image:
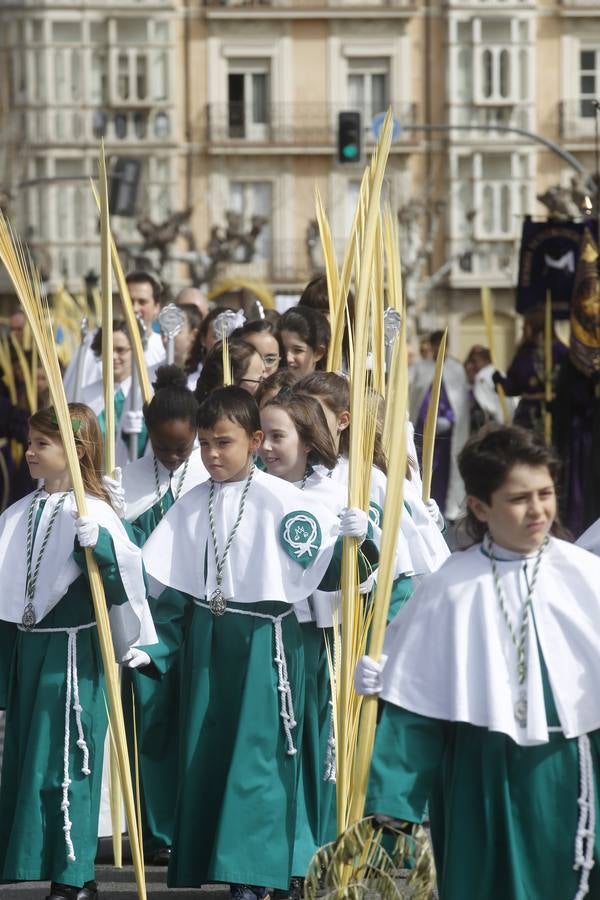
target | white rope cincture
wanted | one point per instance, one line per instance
(586, 825)
(283, 684)
(330, 771)
(71, 703)
(286, 703)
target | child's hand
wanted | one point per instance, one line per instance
(367, 676)
(354, 523)
(135, 658)
(434, 511)
(115, 491)
(87, 530)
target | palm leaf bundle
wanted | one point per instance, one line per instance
(431, 418)
(29, 291)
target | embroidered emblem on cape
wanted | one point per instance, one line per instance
(375, 514)
(300, 536)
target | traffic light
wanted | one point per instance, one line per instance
(349, 142)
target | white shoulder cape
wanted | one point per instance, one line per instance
(426, 544)
(319, 608)
(378, 489)
(93, 396)
(590, 539)
(130, 623)
(451, 657)
(258, 568)
(139, 482)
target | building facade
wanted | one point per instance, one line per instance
(232, 105)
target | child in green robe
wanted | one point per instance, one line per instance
(491, 708)
(151, 486)
(234, 556)
(54, 695)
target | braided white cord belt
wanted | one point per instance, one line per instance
(330, 772)
(586, 825)
(286, 704)
(71, 694)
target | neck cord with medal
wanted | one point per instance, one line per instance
(520, 642)
(29, 618)
(217, 601)
(177, 493)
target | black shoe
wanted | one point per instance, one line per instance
(58, 891)
(296, 888)
(241, 892)
(249, 892)
(159, 857)
(294, 892)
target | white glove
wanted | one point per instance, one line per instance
(115, 491)
(354, 522)
(135, 658)
(434, 511)
(132, 422)
(443, 425)
(87, 530)
(367, 675)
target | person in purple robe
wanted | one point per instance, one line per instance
(525, 377)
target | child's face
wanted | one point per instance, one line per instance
(172, 442)
(267, 346)
(45, 456)
(227, 449)
(282, 451)
(301, 358)
(521, 510)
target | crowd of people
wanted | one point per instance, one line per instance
(219, 541)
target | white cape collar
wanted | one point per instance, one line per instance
(58, 569)
(451, 656)
(139, 482)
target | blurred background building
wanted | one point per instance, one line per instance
(230, 107)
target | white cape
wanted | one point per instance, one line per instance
(590, 539)
(451, 657)
(93, 396)
(131, 622)
(92, 365)
(258, 568)
(139, 482)
(426, 544)
(404, 565)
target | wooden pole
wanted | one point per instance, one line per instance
(548, 368)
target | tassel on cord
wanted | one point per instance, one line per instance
(586, 825)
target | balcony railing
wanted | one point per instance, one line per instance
(346, 5)
(76, 125)
(290, 124)
(517, 115)
(589, 6)
(577, 120)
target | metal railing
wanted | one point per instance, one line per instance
(346, 5)
(76, 125)
(291, 124)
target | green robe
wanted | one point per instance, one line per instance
(316, 801)
(157, 723)
(503, 817)
(234, 818)
(32, 843)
